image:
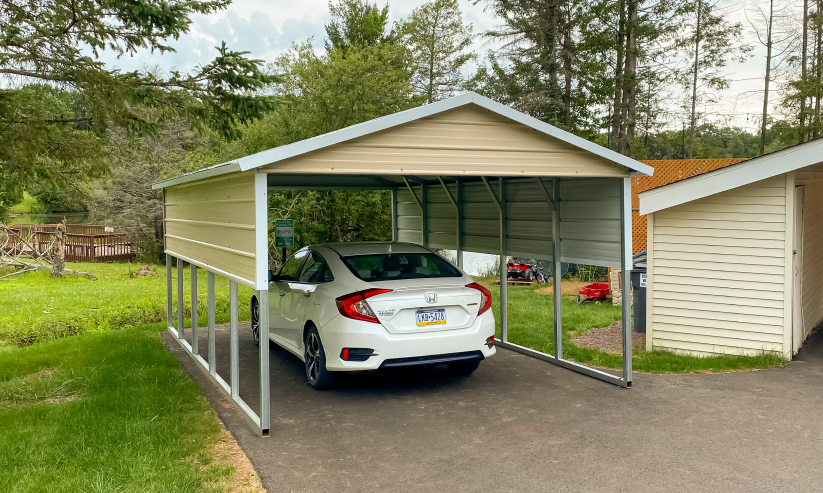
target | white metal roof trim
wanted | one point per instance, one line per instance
(734, 176)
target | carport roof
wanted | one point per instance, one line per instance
(316, 143)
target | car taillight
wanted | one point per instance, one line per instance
(485, 297)
(355, 306)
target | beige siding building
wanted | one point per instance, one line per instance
(734, 258)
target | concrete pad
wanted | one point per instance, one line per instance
(520, 424)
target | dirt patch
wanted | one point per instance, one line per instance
(228, 452)
(608, 339)
(566, 287)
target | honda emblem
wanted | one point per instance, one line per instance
(431, 297)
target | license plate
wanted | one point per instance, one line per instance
(436, 316)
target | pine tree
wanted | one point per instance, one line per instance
(439, 42)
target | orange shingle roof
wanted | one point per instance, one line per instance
(667, 171)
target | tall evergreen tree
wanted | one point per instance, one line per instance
(439, 42)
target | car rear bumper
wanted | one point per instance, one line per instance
(399, 350)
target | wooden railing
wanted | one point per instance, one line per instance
(84, 243)
(105, 247)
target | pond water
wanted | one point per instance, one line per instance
(72, 218)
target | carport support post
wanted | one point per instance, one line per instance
(626, 288)
(263, 322)
(180, 329)
(557, 274)
(234, 353)
(504, 320)
(194, 346)
(169, 307)
(212, 343)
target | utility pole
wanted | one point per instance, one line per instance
(683, 143)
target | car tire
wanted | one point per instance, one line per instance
(254, 308)
(315, 361)
(464, 368)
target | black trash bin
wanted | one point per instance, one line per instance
(639, 298)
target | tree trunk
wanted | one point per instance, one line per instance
(567, 70)
(803, 56)
(768, 76)
(631, 79)
(58, 256)
(818, 67)
(693, 120)
(617, 122)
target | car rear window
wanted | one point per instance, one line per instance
(388, 267)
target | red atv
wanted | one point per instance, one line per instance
(526, 272)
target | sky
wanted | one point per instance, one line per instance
(267, 28)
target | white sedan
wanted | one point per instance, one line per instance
(367, 306)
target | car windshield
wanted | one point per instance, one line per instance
(393, 266)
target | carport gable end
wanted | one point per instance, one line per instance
(467, 135)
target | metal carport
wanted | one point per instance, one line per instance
(466, 173)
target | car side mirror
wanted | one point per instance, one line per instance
(271, 275)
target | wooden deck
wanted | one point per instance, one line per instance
(84, 243)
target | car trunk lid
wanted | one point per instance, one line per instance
(398, 310)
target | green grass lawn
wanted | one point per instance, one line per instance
(35, 307)
(531, 324)
(24, 206)
(111, 411)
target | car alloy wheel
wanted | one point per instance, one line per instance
(315, 357)
(255, 320)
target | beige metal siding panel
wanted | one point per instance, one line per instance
(212, 222)
(586, 207)
(714, 323)
(684, 342)
(721, 257)
(812, 276)
(468, 138)
(718, 270)
(736, 251)
(709, 283)
(743, 338)
(702, 241)
(680, 232)
(725, 293)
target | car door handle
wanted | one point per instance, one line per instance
(282, 293)
(306, 293)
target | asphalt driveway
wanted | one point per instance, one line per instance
(520, 424)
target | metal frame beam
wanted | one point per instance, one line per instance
(457, 202)
(194, 344)
(628, 265)
(546, 192)
(557, 291)
(261, 424)
(504, 250)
